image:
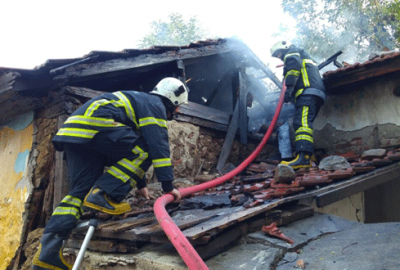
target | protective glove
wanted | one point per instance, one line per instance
(288, 94)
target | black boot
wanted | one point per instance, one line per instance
(98, 200)
(49, 255)
(302, 160)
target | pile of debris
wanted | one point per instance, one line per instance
(207, 216)
(256, 200)
(265, 182)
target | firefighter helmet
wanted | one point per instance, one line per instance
(280, 45)
(172, 89)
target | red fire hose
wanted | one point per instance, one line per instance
(182, 245)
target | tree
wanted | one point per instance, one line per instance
(357, 27)
(175, 32)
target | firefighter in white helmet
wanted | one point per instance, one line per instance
(306, 89)
(125, 131)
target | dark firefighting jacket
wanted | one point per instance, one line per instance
(302, 73)
(144, 113)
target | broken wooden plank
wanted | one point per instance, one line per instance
(200, 122)
(11, 109)
(83, 91)
(359, 184)
(141, 61)
(7, 81)
(61, 183)
(124, 225)
(222, 222)
(243, 91)
(204, 112)
(154, 232)
(229, 138)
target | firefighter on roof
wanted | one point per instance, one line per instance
(126, 131)
(306, 89)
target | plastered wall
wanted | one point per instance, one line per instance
(366, 116)
(15, 145)
(363, 117)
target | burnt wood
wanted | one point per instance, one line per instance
(204, 112)
(243, 91)
(154, 232)
(129, 225)
(141, 61)
(61, 183)
(7, 81)
(11, 109)
(229, 138)
(83, 92)
(200, 122)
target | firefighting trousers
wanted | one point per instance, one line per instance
(307, 107)
(125, 159)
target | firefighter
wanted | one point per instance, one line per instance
(125, 132)
(306, 89)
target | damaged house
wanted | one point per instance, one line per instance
(215, 132)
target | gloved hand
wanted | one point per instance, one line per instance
(144, 192)
(176, 194)
(288, 94)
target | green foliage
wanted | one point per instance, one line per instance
(357, 27)
(174, 32)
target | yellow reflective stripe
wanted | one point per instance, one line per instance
(304, 137)
(61, 211)
(72, 200)
(128, 106)
(304, 129)
(309, 61)
(304, 116)
(132, 167)
(305, 75)
(292, 72)
(77, 132)
(142, 155)
(290, 54)
(92, 121)
(298, 93)
(152, 121)
(95, 105)
(162, 162)
(117, 173)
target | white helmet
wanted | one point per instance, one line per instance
(172, 89)
(280, 45)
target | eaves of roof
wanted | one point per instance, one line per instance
(99, 56)
(370, 63)
(380, 65)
